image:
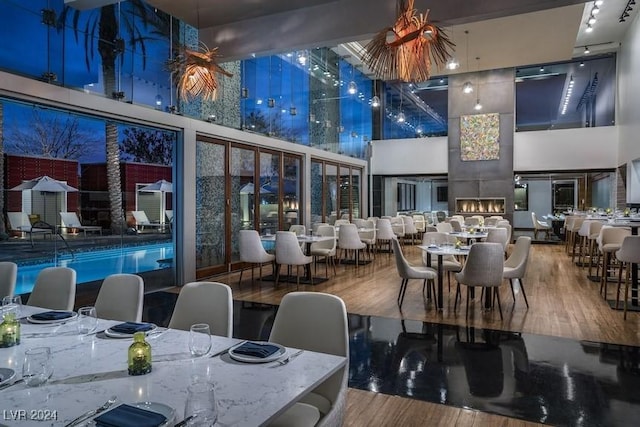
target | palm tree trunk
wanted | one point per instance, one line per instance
(2, 226)
(108, 29)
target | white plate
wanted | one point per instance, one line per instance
(112, 334)
(46, 322)
(252, 359)
(6, 375)
(160, 408)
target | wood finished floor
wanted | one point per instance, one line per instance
(563, 303)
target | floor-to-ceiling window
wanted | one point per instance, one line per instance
(84, 178)
(335, 191)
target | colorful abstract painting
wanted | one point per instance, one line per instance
(480, 137)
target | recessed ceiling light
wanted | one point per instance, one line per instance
(586, 50)
(595, 10)
(582, 64)
(599, 2)
(592, 20)
(589, 28)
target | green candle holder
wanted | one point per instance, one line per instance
(9, 329)
(139, 355)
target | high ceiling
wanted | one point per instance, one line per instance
(502, 33)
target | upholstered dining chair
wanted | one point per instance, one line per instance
(410, 229)
(539, 226)
(449, 262)
(407, 271)
(315, 321)
(316, 225)
(349, 240)
(384, 233)
(298, 229)
(340, 222)
(55, 289)
(498, 235)
(121, 298)
(368, 236)
(515, 267)
(444, 227)
(628, 254)
(484, 267)
(288, 252)
(204, 302)
(325, 248)
(8, 278)
(397, 225)
(252, 252)
(455, 225)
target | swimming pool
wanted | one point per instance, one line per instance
(96, 265)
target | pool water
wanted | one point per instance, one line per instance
(96, 265)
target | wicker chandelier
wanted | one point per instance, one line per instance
(406, 50)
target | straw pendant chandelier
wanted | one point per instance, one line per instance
(406, 50)
(196, 73)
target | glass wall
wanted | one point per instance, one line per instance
(58, 180)
(572, 94)
(335, 192)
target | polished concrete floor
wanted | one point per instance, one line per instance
(531, 377)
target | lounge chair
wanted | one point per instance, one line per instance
(19, 221)
(142, 221)
(71, 220)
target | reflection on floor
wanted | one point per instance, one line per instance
(531, 377)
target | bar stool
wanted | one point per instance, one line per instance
(594, 232)
(568, 224)
(628, 255)
(612, 238)
(583, 237)
(573, 234)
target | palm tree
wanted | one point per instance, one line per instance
(2, 226)
(104, 24)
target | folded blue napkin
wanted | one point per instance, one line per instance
(129, 416)
(256, 350)
(131, 327)
(52, 315)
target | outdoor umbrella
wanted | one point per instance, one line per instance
(250, 189)
(45, 184)
(161, 186)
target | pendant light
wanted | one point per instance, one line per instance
(401, 117)
(375, 100)
(467, 87)
(478, 106)
(352, 87)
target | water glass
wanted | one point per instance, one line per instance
(13, 301)
(199, 339)
(87, 320)
(201, 402)
(37, 367)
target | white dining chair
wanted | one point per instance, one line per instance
(288, 252)
(498, 235)
(204, 302)
(484, 267)
(325, 248)
(121, 298)
(540, 226)
(8, 278)
(55, 289)
(627, 255)
(515, 267)
(407, 271)
(317, 322)
(444, 227)
(349, 240)
(384, 233)
(449, 262)
(252, 252)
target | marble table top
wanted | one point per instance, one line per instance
(89, 369)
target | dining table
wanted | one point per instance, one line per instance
(441, 251)
(90, 369)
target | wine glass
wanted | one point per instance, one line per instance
(37, 367)
(199, 339)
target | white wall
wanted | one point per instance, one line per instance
(566, 149)
(416, 156)
(628, 117)
(562, 149)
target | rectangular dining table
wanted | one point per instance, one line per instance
(307, 240)
(90, 369)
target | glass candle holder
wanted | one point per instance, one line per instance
(139, 356)
(9, 328)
